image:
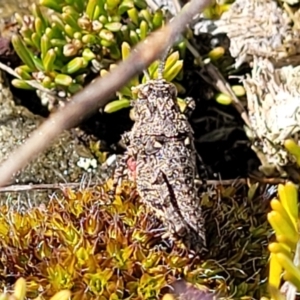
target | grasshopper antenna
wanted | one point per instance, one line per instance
(161, 66)
(147, 75)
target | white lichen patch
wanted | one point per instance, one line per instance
(87, 164)
(259, 28)
(273, 106)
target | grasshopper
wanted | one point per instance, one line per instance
(162, 147)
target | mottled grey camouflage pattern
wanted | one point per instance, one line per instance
(161, 143)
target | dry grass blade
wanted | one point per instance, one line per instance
(58, 186)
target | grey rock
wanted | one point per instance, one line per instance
(67, 160)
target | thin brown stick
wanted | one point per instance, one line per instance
(43, 186)
(99, 92)
(59, 186)
(268, 180)
(32, 83)
(223, 86)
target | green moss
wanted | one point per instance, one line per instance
(112, 251)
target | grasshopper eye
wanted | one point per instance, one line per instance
(144, 91)
(141, 91)
(142, 94)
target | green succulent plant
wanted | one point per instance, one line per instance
(285, 251)
(215, 10)
(63, 42)
(173, 66)
(284, 259)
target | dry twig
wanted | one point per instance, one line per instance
(43, 186)
(58, 186)
(32, 83)
(220, 83)
(99, 92)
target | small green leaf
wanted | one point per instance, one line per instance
(223, 99)
(113, 26)
(21, 84)
(116, 105)
(63, 79)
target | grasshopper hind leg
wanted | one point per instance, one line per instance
(122, 166)
(118, 175)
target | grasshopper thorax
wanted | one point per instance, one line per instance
(157, 94)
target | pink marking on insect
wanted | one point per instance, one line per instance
(131, 163)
